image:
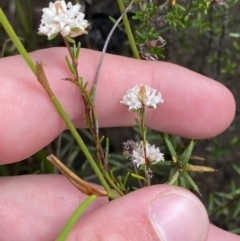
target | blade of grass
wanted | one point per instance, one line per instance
(75, 216)
(128, 30)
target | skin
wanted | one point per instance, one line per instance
(36, 207)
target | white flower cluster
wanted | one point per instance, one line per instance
(140, 96)
(135, 152)
(62, 18)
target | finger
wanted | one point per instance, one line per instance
(217, 234)
(160, 212)
(37, 207)
(194, 107)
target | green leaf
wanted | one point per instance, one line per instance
(85, 84)
(53, 36)
(69, 65)
(11, 33)
(78, 50)
(126, 178)
(23, 18)
(137, 176)
(236, 211)
(184, 158)
(120, 183)
(169, 145)
(46, 166)
(174, 178)
(236, 168)
(75, 50)
(113, 20)
(70, 40)
(233, 186)
(210, 204)
(191, 182)
(92, 91)
(182, 181)
(235, 140)
(102, 138)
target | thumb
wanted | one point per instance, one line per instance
(160, 212)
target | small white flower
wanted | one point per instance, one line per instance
(64, 19)
(140, 96)
(153, 154)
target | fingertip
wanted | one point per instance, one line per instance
(178, 215)
(195, 106)
(160, 212)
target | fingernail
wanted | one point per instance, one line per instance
(177, 217)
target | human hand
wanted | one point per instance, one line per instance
(36, 207)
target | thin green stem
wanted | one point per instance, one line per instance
(128, 30)
(144, 137)
(80, 142)
(74, 218)
(11, 33)
(112, 184)
(74, 61)
(143, 121)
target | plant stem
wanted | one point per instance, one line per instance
(80, 142)
(128, 30)
(144, 141)
(74, 61)
(112, 184)
(75, 216)
(11, 33)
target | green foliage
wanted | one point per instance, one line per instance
(225, 207)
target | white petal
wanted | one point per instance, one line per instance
(64, 19)
(66, 31)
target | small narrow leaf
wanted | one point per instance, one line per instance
(92, 91)
(113, 20)
(236, 168)
(191, 182)
(70, 40)
(52, 36)
(74, 51)
(120, 183)
(182, 181)
(195, 168)
(125, 179)
(236, 211)
(174, 179)
(137, 176)
(210, 204)
(170, 147)
(184, 158)
(69, 65)
(78, 50)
